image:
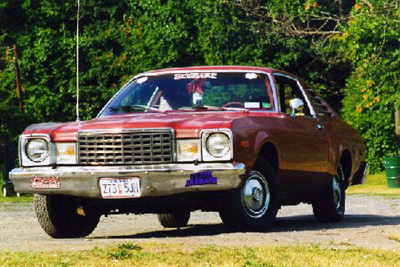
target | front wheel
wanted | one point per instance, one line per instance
(254, 206)
(330, 205)
(64, 216)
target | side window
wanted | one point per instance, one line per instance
(288, 90)
(320, 105)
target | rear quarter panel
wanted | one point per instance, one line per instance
(344, 138)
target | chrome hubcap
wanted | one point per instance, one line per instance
(337, 192)
(256, 195)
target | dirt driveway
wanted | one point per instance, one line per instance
(369, 223)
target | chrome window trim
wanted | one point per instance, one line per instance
(274, 92)
(311, 108)
(146, 74)
(199, 71)
(114, 96)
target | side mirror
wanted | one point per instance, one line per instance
(295, 104)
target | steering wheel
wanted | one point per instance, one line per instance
(233, 103)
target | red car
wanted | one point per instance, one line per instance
(242, 141)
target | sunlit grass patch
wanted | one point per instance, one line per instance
(375, 186)
(124, 251)
(23, 198)
(129, 254)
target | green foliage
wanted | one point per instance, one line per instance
(350, 46)
(373, 89)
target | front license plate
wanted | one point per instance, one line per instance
(120, 188)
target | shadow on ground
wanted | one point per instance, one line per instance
(282, 224)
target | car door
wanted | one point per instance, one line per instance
(302, 140)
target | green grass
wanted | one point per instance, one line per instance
(24, 198)
(178, 255)
(374, 186)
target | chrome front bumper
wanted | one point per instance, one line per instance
(155, 180)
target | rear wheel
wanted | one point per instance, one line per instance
(174, 220)
(330, 205)
(253, 206)
(64, 216)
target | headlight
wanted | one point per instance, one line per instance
(218, 145)
(37, 150)
(188, 150)
(66, 153)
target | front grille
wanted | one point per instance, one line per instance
(137, 147)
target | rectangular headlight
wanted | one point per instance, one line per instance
(188, 150)
(66, 153)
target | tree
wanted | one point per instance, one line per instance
(372, 41)
(338, 46)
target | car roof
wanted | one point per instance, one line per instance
(211, 68)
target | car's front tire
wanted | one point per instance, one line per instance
(64, 216)
(253, 206)
(174, 220)
(330, 205)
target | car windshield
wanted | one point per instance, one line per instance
(193, 91)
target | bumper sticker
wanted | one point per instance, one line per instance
(38, 182)
(201, 178)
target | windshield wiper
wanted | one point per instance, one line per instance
(130, 108)
(220, 108)
(234, 109)
(226, 108)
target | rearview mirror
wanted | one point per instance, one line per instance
(295, 104)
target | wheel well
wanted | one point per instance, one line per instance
(345, 160)
(269, 152)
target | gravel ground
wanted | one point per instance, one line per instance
(368, 223)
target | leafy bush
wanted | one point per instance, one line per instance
(372, 93)
(121, 38)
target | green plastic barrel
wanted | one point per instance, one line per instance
(392, 167)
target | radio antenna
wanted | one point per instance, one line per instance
(77, 63)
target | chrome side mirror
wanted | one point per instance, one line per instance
(295, 104)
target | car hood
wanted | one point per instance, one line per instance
(184, 124)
